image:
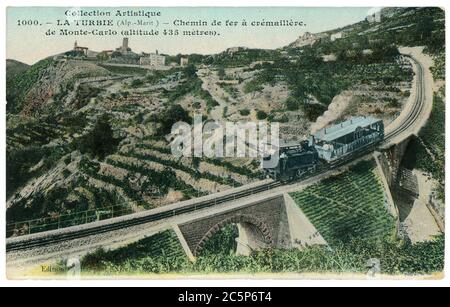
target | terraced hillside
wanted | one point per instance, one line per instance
(348, 206)
(84, 136)
(101, 147)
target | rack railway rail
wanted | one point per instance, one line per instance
(75, 232)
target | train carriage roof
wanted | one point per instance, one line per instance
(349, 126)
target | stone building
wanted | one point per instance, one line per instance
(124, 49)
(184, 62)
(80, 49)
(152, 59)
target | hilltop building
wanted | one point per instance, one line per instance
(336, 36)
(152, 59)
(124, 49)
(83, 50)
(184, 62)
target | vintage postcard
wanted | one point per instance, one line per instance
(225, 142)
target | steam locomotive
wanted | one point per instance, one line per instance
(327, 148)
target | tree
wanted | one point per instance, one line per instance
(221, 73)
(103, 56)
(116, 54)
(99, 142)
(189, 71)
(424, 28)
(244, 112)
(292, 104)
(136, 83)
(172, 115)
(261, 115)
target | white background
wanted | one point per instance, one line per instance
(185, 282)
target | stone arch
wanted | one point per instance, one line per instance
(237, 219)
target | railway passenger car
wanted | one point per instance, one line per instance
(348, 138)
(326, 148)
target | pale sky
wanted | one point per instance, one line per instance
(29, 44)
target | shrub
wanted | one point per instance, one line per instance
(100, 141)
(84, 94)
(136, 83)
(261, 115)
(292, 104)
(253, 86)
(244, 112)
(190, 71)
(172, 115)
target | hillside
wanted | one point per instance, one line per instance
(83, 136)
(14, 68)
(30, 90)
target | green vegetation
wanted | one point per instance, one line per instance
(312, 77)
(125, 70)
(100, 141)
(190, 71)
(221, 73)
(253, 86)
(84, 95)
(352, 257)
(438, 70)
(20, 164)
(243, 57)
(160, 75)
(187, 169)
(192, 85)
(242, 170)
(136, 83)
(152, 253)
(18, 86)
(406, 27)
(293, 104)
(230, 89)
(222, 242)
(261, 115)
(63, 220)
(27, 152)
(75, 54)
(13, 68)
(428, 153)
(103, 56)
(169, 117)
(244, 112)
(309, 76)
(340, 214)
(357, 225)
(161, 180)
(91, 168)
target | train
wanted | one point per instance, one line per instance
(326, 148)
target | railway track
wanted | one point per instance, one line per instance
(25, 243)
(53, 237)
(417, 107)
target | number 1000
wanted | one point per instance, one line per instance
(27, 22)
